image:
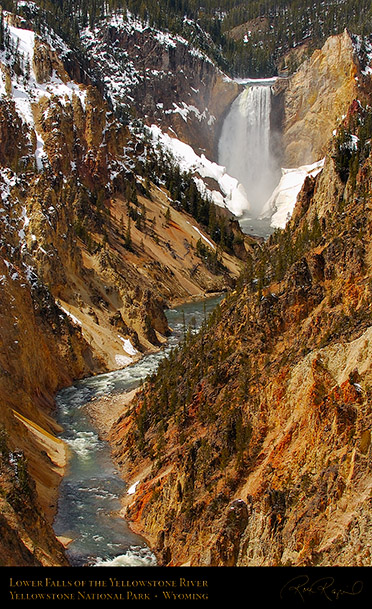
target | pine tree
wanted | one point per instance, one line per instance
(167, 216)
(128, 237)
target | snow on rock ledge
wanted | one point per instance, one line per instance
(281, 203)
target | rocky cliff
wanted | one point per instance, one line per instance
(252, 444)
(312, 101)
(164, 80)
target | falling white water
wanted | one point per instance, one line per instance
(244, 146)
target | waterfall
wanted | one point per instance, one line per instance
(244, 146)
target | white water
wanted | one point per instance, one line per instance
(245, 147)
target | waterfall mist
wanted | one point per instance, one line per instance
(244, 146)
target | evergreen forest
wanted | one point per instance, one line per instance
(244, 38)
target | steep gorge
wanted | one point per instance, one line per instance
(264, 459)
(92, 254)
(95, 244)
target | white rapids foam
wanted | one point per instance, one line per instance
(134, 557)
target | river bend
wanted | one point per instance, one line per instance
(89, 500)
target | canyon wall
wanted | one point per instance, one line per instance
(92, 253)
(312, 101)
(165, 80)
(260, 453)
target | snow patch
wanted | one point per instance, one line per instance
(204, 237)
(232, 194)
(132, 489)
(280, 205)
(70, 315)
(186, 109)
(123, 360)
(362, 46)
(127, 346)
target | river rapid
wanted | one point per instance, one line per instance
(89, 499)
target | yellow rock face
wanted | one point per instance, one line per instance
(316, 98)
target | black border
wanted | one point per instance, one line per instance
(244, 586)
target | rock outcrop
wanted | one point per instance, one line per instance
(315, 98)
(167, 82)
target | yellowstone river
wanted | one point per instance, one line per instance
(89, 500)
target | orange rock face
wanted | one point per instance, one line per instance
(316, 98)
(259, 451)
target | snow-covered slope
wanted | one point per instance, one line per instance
(228, 192)
(124, 67)
(26, 89)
